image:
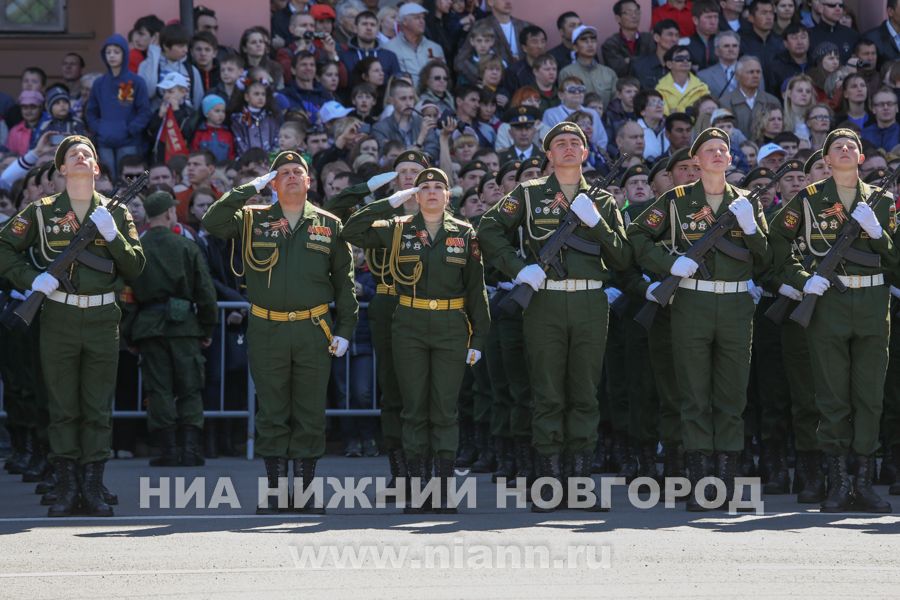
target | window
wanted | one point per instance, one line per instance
(19, 16)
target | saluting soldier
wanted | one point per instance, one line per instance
(79, 338)
(175, 317)
(441, 321)
(295, 265)
(565, 324)
(848, 333)
(711, 318)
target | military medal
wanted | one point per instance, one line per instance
(558, 200)
(423, 237)
(704, 214)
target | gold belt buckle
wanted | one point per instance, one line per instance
(432, 304)
(719, 287)
(292, 316)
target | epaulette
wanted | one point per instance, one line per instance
(404, 218)
(679, 191)
(740, 191)
(324, 212)
(811, 189)
(460, 222)
(252, 207)
(46, 200)
(535, 181)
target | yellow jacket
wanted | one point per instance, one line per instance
(674, 99)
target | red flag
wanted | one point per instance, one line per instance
(172, 136)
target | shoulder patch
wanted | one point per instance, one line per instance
(679, 191)
(791, 219)
(19, 226)
(811, 189)
(509, 205)
(654, 218)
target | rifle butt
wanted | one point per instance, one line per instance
(778, 310)
(804, 311)
(27, 311)
(645, 316)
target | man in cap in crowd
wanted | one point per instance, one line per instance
(565, 324)
(410, 45)
(530, 168)
(848, 332)
(659, 178)
(521, 129)
(597, 78)
(815, 168)
(295, 265)
(170, 333)
(711, 316)
(771, 156)
(471, 173)
(79, 341)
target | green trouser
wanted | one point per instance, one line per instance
(769, 377)
(290, 365)
(713, 333)
(565, 338)
(797, 368)
(79, 356)
(498, 384)
(616, 376)
(381, 313)
(466, 400)
(848, 344)
(482, 394)
(431, 346)
(18, 391)
(890, 425)
(643, 401)
(172, 370)
(662, 364)
(512, 347)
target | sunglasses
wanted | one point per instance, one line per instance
(833, 4)
(681, 59)
(576, 89)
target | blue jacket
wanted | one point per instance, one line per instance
(309, 101)
(118, 109)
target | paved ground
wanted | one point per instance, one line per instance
(232, 553)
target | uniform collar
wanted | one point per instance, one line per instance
(63, 204)
(698, 197)
(830, 193)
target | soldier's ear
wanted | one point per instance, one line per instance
(862, 158)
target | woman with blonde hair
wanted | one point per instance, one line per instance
(799, 96)
(819, 121)
(768, 124)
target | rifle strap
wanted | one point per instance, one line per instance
(810, 222)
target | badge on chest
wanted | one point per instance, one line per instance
(319, 233)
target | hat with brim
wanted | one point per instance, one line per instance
(172, 80)
(287, 157)
(768, 150)
(73, 140)
(432, 174)
(413, 156)
(581, 30)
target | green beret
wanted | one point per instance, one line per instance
(523, 115)
(835, 135)
(633, 172)
(529, 163)
(288, 157)
(793, 165)
(814, 157)
(432, 174)
(658, 166)
(472, 165)
(158, 202)
(875, 176)
(561, 128)
(465, 196)
(507, 167)
(680, 155)
(754, 174)
(489, 176)
(711, 133)
(60, 157)
(413, 156)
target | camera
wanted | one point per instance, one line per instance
(449, 114)
(314, 35)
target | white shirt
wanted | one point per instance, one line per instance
(751, 100)
(510, 32)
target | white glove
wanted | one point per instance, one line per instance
(816, 285)
(45, 283)
(17, 295)
(864, 215)
(380, 180)
(895, 292)
(791, 292)
(338, 346)
(684, 267)
(755, 291)
(506, 285)
(104, 222)
(263, 180)
(533, 275)
(398, 198)
(612, 294)
(472, 356)
(649, 293)
(586, 210)
(743, 210)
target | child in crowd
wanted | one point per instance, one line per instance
(231, 69)
(213, 135)
(171, 56)
(255, 119)
(60, 119)
(482, 40)
(174, 88)
(144, 34)
(292, 136)
(30, 104)
(204, 47)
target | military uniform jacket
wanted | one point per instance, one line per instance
(631, 280)
(45, 227)
(539, 206)
(811, 222)
(176, 276)
(285, 269)
(680, 217)
(450, 264)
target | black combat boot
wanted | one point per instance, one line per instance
(15, 446)
(865, 498)
(419, 469)
(698, 465)
(548, 466)
(746, 462)
(673, 462)
(210, 438)
(192, 447)
(647, 461)
(487, 460)
(46, 484)
(727, 466)
(397, 462)
(276, 468)
(617, 451)
(67, 493)
(894, 490)
(466, 453)
(598, 462)
(525, 466)
(506, 463)
(305, 471)
(629, 463)
(778, 478)
(839, 486)
(582, 468)
(92, 498)
(888, 474)
(19, 463)
(444, 471)
(166, 439)
(38, 467)
(810, 477)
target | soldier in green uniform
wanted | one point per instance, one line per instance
(170, 333)
(79, 337)
(295, 265)
(848, 333)
(565, 323)
(442, 318)
(711, 317)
